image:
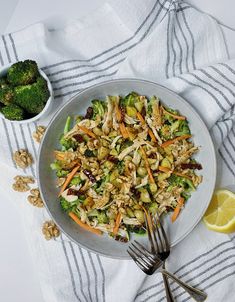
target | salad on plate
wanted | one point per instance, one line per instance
(127, 156)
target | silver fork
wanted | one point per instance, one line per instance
(149, 262)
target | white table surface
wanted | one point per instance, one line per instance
(18, 279)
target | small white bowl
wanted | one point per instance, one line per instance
(47, 106)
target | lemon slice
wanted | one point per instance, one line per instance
(220, 215)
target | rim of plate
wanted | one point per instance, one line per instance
(210, 142)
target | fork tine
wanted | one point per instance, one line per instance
(146, 251)
(154, 235)
(152, 261)
(137, 255)
(139, 261)
(149, 233)
(162, 248)
(163, 233)
(141, 266)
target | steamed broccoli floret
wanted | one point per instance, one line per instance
(68, 206)
(62, 173)
(6, 95)
(102, 218)
(3, 82)
(32, 97)
(165, 132)
(23, 73)
(152, 101)
(76, 181)
(183, 128)
(13, 112)
(59, 171)
(130, 99)
(181, 181)
(98, 108)
(68, 143)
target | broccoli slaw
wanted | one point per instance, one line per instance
(127, 155)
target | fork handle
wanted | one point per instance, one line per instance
(169, 296)
(195, 293)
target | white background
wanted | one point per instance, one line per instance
(18, 279)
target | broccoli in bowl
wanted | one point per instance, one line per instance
(25, 91)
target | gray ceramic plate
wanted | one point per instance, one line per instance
(196, 205)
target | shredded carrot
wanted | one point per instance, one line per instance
(84, 225)
(178, 138)
(122, 126)
(164, 169)
(177, 209)
(87, 131)
(181, 175)
(177, 117)
(117, 223)
(123, 130)
(151, 179)
(150, 132)
(148, 217)
(140, 117)
(68, 179)
(118, 114)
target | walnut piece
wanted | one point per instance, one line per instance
(50, 230)
(23, 158)
(38, 134)
(21, 183)
(35, 198)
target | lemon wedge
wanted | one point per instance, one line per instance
(220, 215)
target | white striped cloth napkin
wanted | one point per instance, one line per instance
(168, 42)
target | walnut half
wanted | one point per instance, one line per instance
(21, 183)
(38, 134)
(50, 230)
(35, 198)
(23, 158)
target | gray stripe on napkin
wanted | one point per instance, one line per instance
(79, 75)
(186, 43)
(70, 270)
(6, 49)
(8, 141)
(168, 47)
(192, 38)
(223, 76)
(13, 46)
(79, 273)
(86, 270)
(117, 54)
(203, 88)
(180, 56)
(217, 82)
(112, 48)
(1, 59)
(26, 147)
(95, 273)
